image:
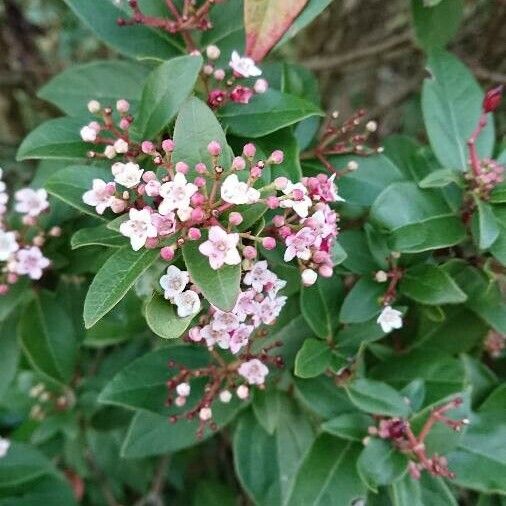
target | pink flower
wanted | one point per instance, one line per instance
(31, 202)
(165, 225)
(259, 276)
(216, 98)
(241, 94)
(253, 371)
(221, 248)
(240, 337)
(297, 199)
(213, 336)
(225, 321)
(298, 245)
(268, 310)
(323, 188)
(31, 262)
(138, 228)
(100, 196)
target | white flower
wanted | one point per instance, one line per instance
(224, 321)
(389, 319)
(31, 261)
(309, 277)
(213, 52)
(176, 194)
(259, 276)
(138, 228)
(100, 196)
(188, 303)
(243, 65)
(225, 396)
(31, 202)
(8, 244)
(109, 152)
(88, 134)
(183, 389)
(121, 146)
(221, 248)
(127, 174)
(94, 106)
(237, 192)
(5, 444)
(253, 371)
(242, 392)
(205, 414)
(174, 281)
(299, 205)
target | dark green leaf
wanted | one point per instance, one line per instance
(362, 301)
(440, 178)
(163, 320)
(484, 225)
(349, 426)
(312, 359)
(97, 236)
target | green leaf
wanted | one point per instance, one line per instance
(436, 25)
(362, 302)
(313, 358)
(56, 139)
(97, 236)
(137, 41)
(349, 426)
(377, 398)
(69, 185)
(213, 493)
(428, 284)
(265, 22)
(196, 126)
(428, 490)
(105, 81)
(315, 309)
(381, 464)
(359, 259)
(498, 248)
(166, 89)
(484, 225)
(498, 194)
(220, 287)
(266, 406)
(114, 279)
(426, 223)
(266, 113)
(265, 464)
(14, 298)
(10, 353)
(440, 178)
(338, 254)
(163, 320)
(328, 475)
(48, 337)
(451, 105)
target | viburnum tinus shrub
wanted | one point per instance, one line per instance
(214, 293)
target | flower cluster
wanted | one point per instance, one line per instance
(179, 203)
(20, 249)
(259, 304)
(400, 433)
(226, 86)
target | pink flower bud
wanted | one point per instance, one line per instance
(201, 168)
(110, 188)
(152, 188)
(147, 147)
(180, 401)
(118, 206)
(197, 199)
(207, 69)
(238, 163)
(55, 231)
(249, 252)
(200, 182)
(235, 218)
(285, 232)
(167, 253)
(29, 220)
(122, 105)
(261, 86)
(141, 189)
(241, 94)
(269, 242)
(492, 99)
(277, 157)
(255, 171)
(197, 214)
(194, 234)
(4, 288)
(151, 243)
(278, 220)
(205, 414)
(320, 256)
(168, 145)
(194, 334)
(214, 148)
(182, 167)
(94, 125)
(249, 150)
(12, 278)
(124, 123)
(272, 202)
(325, 271)
(280, 183)
(148, 176)
(216, 98)
(219, 74)
(298, 194)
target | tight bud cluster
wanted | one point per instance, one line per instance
(20, 247)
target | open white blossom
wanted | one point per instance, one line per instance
(127, 174)
(31, 262)
(298, 199)
(176, 194)
(221, 248)
(253, 371)
(187, 302)
(243, 65)
(237, 192)
(174, 281)
(8, 244)
(389, 319)
(101, 195)
(138, 228)
(31, 202)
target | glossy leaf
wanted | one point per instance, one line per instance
(97, 236)
(484, 225)
(163, 320)
(349, 426)
(312, 359)
(362, 301)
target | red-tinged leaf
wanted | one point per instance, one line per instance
(266, 21)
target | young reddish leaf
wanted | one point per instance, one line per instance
(266, 21)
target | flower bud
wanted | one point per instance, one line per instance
(197, 214)
(205, 414)
(55, 232)
(183, 389)
(272, 202)
(278, 220)
(249, 252)
(255, 171)
(167, 253)
(110, 152)
(242, 392)
(325, 271)
(195, 335)
(207, 69)
(94, 106)
(225, 396)
(309, 277)
(180, 401)
(371, 126)
(280, 183)
(147, 147)
(214, 148)
(492, 99)
(197, 199)
(194, 234)
(249, 150)
(352, 165)
(381, 276)
(121, 146)
(168, 145)
(238, 163)
(235, 218)
(124, 123)
(261, 86)
(277, 157)
(122, 105)
(269, 243)
(219, 74)
(4, 288)
(199, 182)
(213, 52)
(148, 176)
(200, 168)
(182, 167)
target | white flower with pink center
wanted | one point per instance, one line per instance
(245, 306)
(101, 195)
(323, 223)
(174, 282)
(213, 336)
(127, 174)
(259, 276)
(176, 194)
(221, 248)
(389, 319)
(8, 245)
(297, 200)
(165, 225)
(267, 310)
(237, 192)
(243, 65)
(253, 371)
(298, 245)
(31, 202)
(138, 228)
(188, 303)
(225, 321)
(31, 262)
(240, 337)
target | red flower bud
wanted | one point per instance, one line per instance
(492, 99)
